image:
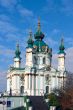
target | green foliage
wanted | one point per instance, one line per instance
(53, 101)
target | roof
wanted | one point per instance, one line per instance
(13, 68)
(40, 45)
(19, 108)
(36, 102)
(17, 52)
(30, 40)
(39, 35)
(61, 47)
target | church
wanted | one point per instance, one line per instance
(38, 77)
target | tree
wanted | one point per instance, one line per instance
(65, 95)
(53, 100)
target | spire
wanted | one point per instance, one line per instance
(39, 25)
(30, 40)
(62, 40)
(17, 52)
(30, 34)
(61, 47)
(39, 35)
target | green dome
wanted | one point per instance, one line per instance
(30, 40)
(39, 45)
(17, 52)
(38, 35)
(61, 47)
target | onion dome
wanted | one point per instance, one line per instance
(39, 35)
(17, 52)
(30, 40)
(39, 46)
(61, 47)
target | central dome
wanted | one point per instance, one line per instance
(39, 35)
(39, 45)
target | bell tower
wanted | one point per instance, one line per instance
(29, 49)
(61, 56)
(17, 58)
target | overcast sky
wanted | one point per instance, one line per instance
(18, 16)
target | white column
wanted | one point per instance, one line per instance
(33, 84)
(26, 82)
(8, 85)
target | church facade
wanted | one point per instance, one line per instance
(38, 76)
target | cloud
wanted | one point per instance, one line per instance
(69, 59)
(2, 81)
(24, 11)
(8, 3)
(8, 52)
(62, 6)
(55, 60)
(15, 6)
(67, 6)
(7, 31)
(51, 5)
(55, 31)
(4, 17)
(7, 27)
(10, 32)
(51, 41)
(69, 41)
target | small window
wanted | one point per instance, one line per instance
(44, 61)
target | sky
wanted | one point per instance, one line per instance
(17, 17)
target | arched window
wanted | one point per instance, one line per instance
(44, 60)
(47, 89)
(21, 89)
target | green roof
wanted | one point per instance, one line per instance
(30, 41)
(61, 47)
(39, 45)
(13, 68)
(61, 52)
(38, 35)
(17, 52)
